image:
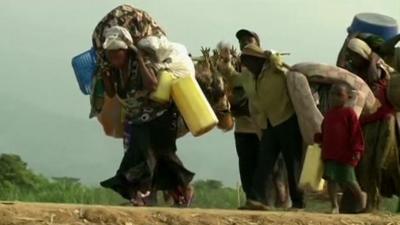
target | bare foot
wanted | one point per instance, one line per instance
(137, 202)
(182, 197)
(364, 208)
(255, 205)
(189, 195)
(364, 200)
(335, 210)
(140, 198)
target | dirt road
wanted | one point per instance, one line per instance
(57, 214)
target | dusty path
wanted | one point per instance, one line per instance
(57, 214)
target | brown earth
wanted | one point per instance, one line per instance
(15, 213)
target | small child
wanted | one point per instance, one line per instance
(342, 147)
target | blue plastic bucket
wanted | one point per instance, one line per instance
(374, 23)
(84, 67)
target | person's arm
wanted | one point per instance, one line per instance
(149, 77)
(108, 81)
(383, 112)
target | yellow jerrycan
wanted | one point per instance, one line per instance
(163, 92)
(313, 169)
(193, 106)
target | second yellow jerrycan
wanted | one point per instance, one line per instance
(193, 106)
(313, 169)
(163, 92)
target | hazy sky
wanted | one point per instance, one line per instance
(44, 117)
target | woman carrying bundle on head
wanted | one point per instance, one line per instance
(150, 162)
(379, 169)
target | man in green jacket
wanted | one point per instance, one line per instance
(272, 109)
(247, 135)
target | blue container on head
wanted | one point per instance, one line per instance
(85, 65)
(374, 23)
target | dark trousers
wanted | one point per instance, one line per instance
(286, 139)
(247, 148)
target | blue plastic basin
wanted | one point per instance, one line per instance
(374, 23)
(84, 67)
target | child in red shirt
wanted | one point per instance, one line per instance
(342, 146)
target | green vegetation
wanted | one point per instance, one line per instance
(212, 194)
(19, 183)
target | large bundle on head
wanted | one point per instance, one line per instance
(138, 24)
(309, 84)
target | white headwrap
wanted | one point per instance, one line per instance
(117, 37)
(360, 47)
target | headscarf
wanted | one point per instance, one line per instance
(117, 37)
(378, 72)
(360, 47)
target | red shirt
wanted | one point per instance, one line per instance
(341, 137)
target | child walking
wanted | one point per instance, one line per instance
(342, 147)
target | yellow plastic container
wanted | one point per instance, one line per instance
(193, 106)
(313, 169)
(163, 92)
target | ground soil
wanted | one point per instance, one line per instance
(15, 213)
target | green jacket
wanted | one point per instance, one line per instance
(268, 95)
